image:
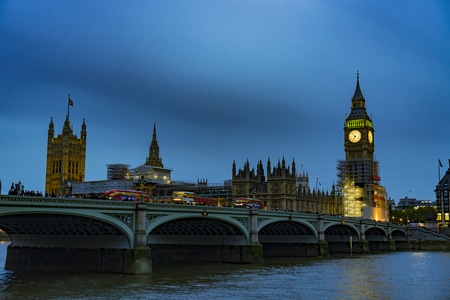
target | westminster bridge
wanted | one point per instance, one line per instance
(84, 235)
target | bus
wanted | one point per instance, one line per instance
(205, 201)
(127, 195)
(182, 197)
(241, 202)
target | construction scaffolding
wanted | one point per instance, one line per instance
(358, 171)
(118, 172)
(359, 182)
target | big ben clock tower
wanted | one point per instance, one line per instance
(358, 176)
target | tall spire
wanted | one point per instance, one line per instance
(153, 158)
(358, 94)
(358, 102)
(154, 131)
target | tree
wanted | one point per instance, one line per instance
(414, 215)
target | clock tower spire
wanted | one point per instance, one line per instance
(358, 96)
(358, 173)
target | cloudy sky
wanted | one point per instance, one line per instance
(226, 81)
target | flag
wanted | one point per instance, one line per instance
(440, 163)
(70, 102)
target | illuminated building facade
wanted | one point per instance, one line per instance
(283, 189)
(442, 199)
(66, 159)
(358, 177)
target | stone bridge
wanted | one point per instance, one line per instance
(66, 234)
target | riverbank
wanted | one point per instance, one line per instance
(430, 245)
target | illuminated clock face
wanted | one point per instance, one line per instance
(354, 136)
(370, 136)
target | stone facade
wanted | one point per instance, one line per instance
(66, 159)
(283, 189)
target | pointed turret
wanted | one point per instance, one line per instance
(294, 170)
(234, 168)
(358, 109)
(153, 159)
(66, 128)
(51, 129)
(358, 94)
(83, 130)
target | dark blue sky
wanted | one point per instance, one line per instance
(224, 81)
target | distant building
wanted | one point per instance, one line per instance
(426, 203)
(406, 202)
(66, 158)
(97, 188)
(358, 176)
(145, 177)
(413, 202)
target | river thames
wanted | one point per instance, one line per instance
(394, 275)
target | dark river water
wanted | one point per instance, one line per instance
(396, 275)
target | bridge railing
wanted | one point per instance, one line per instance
(64, 201)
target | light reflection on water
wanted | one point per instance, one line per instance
(397, 275)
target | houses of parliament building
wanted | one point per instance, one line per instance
(66, 158)
(357, 192)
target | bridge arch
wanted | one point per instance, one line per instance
(273, 219)
(287, 231)
(399, 235)
(338, 232)
(376, 234)
(66, 229)
(189, 229)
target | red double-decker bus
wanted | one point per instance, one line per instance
(127, 195)
(248, 203)
(203, 201)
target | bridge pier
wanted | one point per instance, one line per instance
(364, 243)
(324, 249)
(391, 241)
(365, 246)
(139, 259)
(255, 248)
(391, 245)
